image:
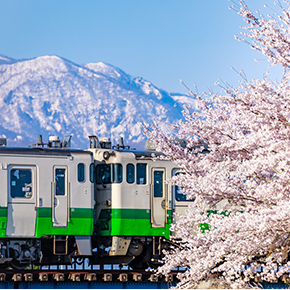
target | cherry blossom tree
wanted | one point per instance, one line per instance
(236, 165)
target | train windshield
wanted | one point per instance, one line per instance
(117, 173)
(109, 173)
(103, 174)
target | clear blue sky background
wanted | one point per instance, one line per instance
(162, 41)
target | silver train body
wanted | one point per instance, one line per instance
(108, 204)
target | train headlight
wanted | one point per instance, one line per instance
(106, 155)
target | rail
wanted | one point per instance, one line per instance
(81, 272)
(83, 276)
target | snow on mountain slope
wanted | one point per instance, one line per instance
(50, 95)
(5, 59)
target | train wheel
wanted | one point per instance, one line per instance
(4, 266)
(138, 265)
(17, 265)
(154, 265)
(79, 261)
(142, 261)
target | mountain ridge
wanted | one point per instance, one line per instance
(51, 95)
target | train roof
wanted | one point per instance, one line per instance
(42, 151)
(141, 154)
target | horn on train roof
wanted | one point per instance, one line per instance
(94, 141)
(121, 146)
(53, 142)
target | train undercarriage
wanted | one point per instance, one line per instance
(137, 252)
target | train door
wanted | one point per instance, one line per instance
(22, 196)
(60, 197)
(158, 198)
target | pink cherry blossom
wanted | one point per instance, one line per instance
(237, 161)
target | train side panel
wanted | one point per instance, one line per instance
(41, 194)
(137, 202)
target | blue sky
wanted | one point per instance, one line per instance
(162, 41)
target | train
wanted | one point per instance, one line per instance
(107, 204)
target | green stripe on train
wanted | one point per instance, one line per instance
(81, 222)
(45, 212)
(111, 222)
(130, 222)
(3, 221)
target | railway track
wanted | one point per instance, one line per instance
(82, 272)
(82, 276)
(68, 277)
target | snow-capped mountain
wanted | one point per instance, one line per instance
(50, 95)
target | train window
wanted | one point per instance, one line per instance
(59, 181)
(179, 195)
(117, 173)
(103, 173)
(178, 190)
(130, 173)
(158, 184)
(21, 183)
(81, 172)
(141, 173)
(92, 170)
